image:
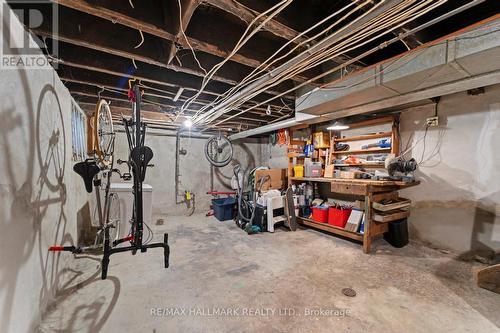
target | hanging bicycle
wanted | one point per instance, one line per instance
(101, 145)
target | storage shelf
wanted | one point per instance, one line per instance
(365, 137)
(363, 151)
(330, 228)
(356, 181)
(290, 155)
(384, 217)
(375, 165)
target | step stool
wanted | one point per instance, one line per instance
(272, 204)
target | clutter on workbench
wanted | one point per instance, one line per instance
(357, 166)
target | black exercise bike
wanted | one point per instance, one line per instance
(102, 163)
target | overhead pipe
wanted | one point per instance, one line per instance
(293, 121)
(264, 129)
(219, 109)
(382, 45)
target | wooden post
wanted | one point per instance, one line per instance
(367, 238)
(489, 278)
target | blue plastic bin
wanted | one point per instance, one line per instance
(224, 208)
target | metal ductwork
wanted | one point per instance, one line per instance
(264, 129)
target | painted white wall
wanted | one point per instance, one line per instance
(457, 205)
(41, 198)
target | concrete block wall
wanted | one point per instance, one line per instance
(194, 170)
(41, 198)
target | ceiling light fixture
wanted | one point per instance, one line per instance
(337, 126)
(187, 123)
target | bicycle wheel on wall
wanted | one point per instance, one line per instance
(103, 132)
(219, 150)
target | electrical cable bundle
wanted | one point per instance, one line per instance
(353, 38)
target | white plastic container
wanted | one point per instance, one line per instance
(126, 200)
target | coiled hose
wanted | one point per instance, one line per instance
(245, 222)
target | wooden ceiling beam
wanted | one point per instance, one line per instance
(106, 49)
(178, 38)
(90, 94)
(98, 61)
(182, 16)
(273, 26)
(69, 71)
(166, 101)
(248, 15)
(87, 42)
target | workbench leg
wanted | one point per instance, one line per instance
(367, 238)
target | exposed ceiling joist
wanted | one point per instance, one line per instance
(183, 15)
(126, 51)
(89, 89)
(110, 80)
(248, 15)
(178, 38)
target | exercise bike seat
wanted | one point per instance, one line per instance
(140, 157)
(87, 170)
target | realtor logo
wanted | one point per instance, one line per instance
(24, 50)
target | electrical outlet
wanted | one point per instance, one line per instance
(432, 121)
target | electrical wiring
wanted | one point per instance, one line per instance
(181, 28)
(339, 30)
(405, 44)
(417, 6)
(141, 42)
(244, 38)
(248, 80)
(343, 29)
(382, 45)
(253, 76)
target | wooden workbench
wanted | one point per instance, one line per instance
(367, 191)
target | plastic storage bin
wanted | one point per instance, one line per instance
(298, 171)
(223, 208)
(320, 214)
(313, 169)
(338, 217)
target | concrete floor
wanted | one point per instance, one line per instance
(273, 282)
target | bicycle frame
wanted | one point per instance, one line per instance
(139, 156)
(139, 164)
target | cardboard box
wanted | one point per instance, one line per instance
(329, 169)
(277, 181)
(321, 140)
(350, 174)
